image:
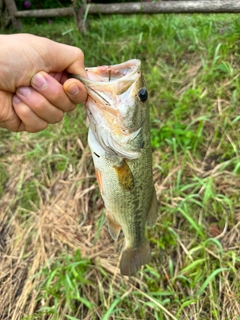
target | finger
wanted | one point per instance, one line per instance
(39, 105)
(75, 91)
(52, 90)
(8, 117)
(30, 121)
(61, 77)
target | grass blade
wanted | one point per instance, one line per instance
(209, 279)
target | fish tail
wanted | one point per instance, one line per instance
(133, 258)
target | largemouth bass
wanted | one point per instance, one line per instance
(119, 139)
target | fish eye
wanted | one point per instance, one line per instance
(143, 94)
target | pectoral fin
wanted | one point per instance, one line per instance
(153, 209)
(125, 176)
(113, 227)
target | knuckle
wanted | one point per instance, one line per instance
(54, 96)
(23, 112)
(37, 105)
(79, 54)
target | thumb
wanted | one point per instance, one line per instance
(59, 57)
(75, 90)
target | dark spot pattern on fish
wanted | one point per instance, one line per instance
(96, 154)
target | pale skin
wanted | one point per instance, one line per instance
(35, 89)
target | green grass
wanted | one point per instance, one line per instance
(53, 235)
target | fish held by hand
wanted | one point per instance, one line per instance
(119, 139)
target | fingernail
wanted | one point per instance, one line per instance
(38, 81)
(16, 99)
(24, 91)
(73, 90)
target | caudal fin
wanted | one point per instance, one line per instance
(133, 258)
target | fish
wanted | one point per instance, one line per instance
(119, 140)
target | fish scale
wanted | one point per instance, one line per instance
(119, 139)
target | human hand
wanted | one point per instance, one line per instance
(34, 85)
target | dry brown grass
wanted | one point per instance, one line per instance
(66, 220)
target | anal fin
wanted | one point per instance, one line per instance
(153, 209)
(113, 227)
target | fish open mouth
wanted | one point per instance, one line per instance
(116, 78)
(113, 73)
(110, 74)
(107, 87)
